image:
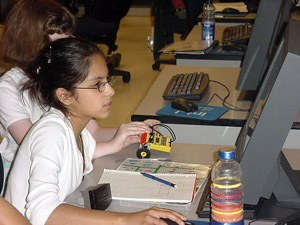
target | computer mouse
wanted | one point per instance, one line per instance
(184, 105)
(171, 222)
(230, 11)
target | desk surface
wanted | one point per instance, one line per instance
(189, 153)
(153, 100)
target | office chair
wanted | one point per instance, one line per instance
(167, 23)
(100, 24)
(5, 6)
(71, 5)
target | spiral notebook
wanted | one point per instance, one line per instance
(133, 186)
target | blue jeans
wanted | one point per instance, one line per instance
(6, 168)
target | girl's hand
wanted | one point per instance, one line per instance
(152, 217)
(125, 135)
(129, 133)
(149, 123)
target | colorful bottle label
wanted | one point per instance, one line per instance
(227, 201)
(208, 31)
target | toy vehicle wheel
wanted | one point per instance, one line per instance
(143, 153)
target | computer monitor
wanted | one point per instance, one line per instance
(269, 22)
(268, 179)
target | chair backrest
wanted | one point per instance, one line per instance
(109, 10)
(5, 6)
(193, 10)
(170, 23)
(101, 21)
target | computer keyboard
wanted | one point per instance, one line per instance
(191, 86)
(235, 38)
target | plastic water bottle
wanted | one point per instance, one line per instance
(226, 190)
(208, 21)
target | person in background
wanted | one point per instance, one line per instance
(180, 8)
(69, 79)
(29, 26)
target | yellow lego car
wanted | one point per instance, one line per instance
(153, 141)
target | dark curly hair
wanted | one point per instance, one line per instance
(64, 63)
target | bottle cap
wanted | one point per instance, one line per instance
(226, 153)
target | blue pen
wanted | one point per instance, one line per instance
(158, 179)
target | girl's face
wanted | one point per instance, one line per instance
(90, 103)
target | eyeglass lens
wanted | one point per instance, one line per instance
(110, 81)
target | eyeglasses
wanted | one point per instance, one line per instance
(101, 86)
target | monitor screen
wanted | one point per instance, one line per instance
(270, 19)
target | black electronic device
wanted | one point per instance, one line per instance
(230, 11)
(271, 18)
(97, 197)
(184, 105)
(171, 222)
(190, 86)
(276, 190)
(235, 38)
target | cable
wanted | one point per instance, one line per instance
(224, 102)
(289, 218)
(167, 127)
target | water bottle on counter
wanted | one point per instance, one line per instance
(208, 21)
(226, 190)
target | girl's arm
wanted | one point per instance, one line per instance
(9, 215)
(68, 214)
(19, 129)
(112, 140)
(101, 134)
(13, 113)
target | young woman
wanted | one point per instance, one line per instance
(31, 25)
(70, 80)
